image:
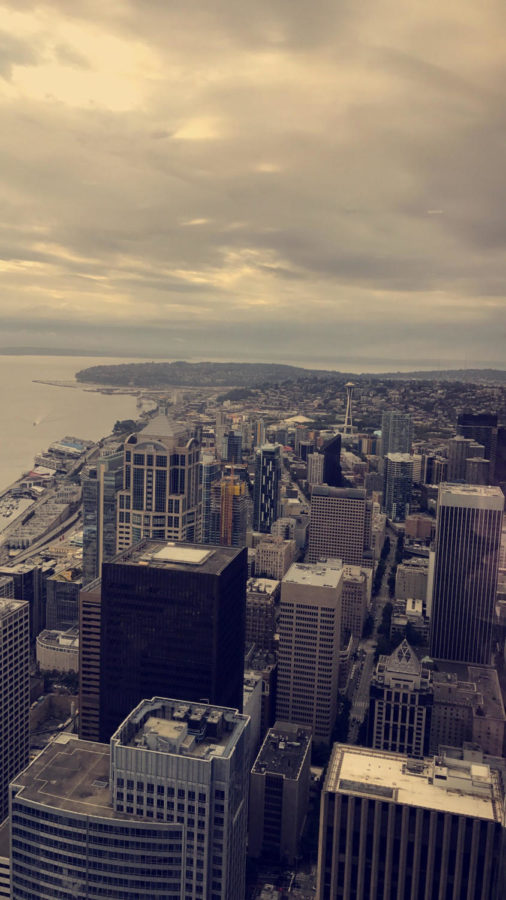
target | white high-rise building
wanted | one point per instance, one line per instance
(14, 694)
(309, 644)
(315, 468)
(160, 813)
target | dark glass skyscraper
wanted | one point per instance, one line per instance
(468, 537)
(101, 484)
(267, 487)
(172, 622)
(396, 432)
(480, 427)
(332, 461)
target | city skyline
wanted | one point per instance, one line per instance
(180, 179)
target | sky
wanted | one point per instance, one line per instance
(281, 180)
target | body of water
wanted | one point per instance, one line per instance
(34, 415)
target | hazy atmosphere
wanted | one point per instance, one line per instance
(278, 180)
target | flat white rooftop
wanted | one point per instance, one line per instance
(327, 574)
(466, 790)
(175, 553)
(479, 496)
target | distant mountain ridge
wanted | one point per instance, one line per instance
(228, 374)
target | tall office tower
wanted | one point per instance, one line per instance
(468, 536)
(14, 694)
(89, 661)
(30, 585)
(234, 447)
(62, 598)
(398, 484)
(401, 698)
(301, 436)
(267, 487)
(459, 449)
(436, 470)
(477, 470)
(480, 427)
(101, 484)
(340, 525)
(305, 449)
(332, 461)
(246, 434)
(315, 468)
(160, 812)
(261, 597)
(210, 473)
(229, 511)
(309, 644)
(279, 793)
(391, 827)
(160, 499)
(499, 461)
(396, 432)
(259, 433)
(172, 621)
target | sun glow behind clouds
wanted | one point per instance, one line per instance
(78, 65)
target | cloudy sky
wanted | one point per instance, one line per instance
(285, 179)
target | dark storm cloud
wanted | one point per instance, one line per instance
(326, 174)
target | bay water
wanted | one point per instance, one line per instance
(33, 415)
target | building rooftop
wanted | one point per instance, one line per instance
(193, 730)
(283, 751)
(8, 605)
(52, 637)
(262, 586)
(173, 555)
(324, 490)
(443, 784)
(477, 686)
(162, 426)
(471, 495)
(321, 574)
(71, 775)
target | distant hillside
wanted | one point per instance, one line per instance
(194, 374)
(470, 376)
(248, 375)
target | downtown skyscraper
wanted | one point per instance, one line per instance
(267, 487)
(160, 497)
(468, 537)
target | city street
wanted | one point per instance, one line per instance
(359, 693)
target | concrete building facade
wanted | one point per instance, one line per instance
(401, 699)
(14, 694)
(395, 827)
(340, 526)
(160, 812)
(279, 793)
(309, 645)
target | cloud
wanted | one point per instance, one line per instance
(303, 181)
